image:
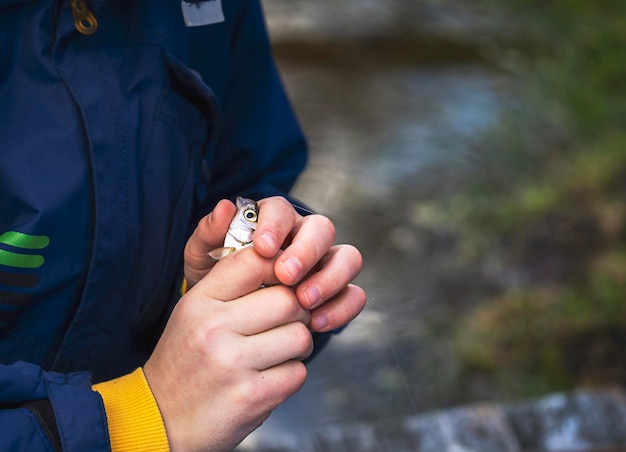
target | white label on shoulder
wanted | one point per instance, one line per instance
(202, 13)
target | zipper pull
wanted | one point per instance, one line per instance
(84, 20)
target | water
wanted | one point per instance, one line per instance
(387, 134)
(405, 113)
(375, 134)
(370, 168)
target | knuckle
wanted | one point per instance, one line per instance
(225, 362)
(204, 224)
(354, 254)
(298, 373)
(287, 303)
(185, 310)
(223, 359)
(357, 300)
(323, 225)
(302, 338)
(279, 203)
(277, 212)
(253, 390)
(311, 248)
(282, 202)
(352, 258)
(359, 295)
(204, 337)
(203, 228)
(246, 259)
(253, 263)
(326, 224)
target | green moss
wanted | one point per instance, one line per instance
(549, 334)
(548, 203)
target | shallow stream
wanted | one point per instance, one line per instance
(391, 123)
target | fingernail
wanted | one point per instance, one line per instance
(269, 241)
(312, 296)
(293, 268)
(320, 322)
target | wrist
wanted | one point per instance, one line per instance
(133, 417)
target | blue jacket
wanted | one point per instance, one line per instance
(112, 146)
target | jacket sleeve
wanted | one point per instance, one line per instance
(47, 411)
(261, 149)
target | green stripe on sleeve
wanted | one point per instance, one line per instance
(20, 240)
(20, 260)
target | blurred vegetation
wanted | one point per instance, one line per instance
(552, 206)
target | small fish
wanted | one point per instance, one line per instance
(241, 230)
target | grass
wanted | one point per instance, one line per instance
(553, 205)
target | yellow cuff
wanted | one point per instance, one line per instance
(134, 419)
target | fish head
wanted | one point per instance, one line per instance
(247, 212)
(241, 230)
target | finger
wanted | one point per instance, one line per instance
(280, 382)
(339, 310)
(264, 310)
(277, 218)
(208, 235)
(283, 343)
(340, 266)
(311, 242)
(237, 275)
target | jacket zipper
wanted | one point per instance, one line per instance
(84, 20)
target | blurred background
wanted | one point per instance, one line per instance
(475, 152)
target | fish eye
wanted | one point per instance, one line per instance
(250, 215)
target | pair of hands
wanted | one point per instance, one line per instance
(220, 369)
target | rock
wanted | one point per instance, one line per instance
(578, 421)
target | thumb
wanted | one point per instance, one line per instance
(209, 235)
(240, 274)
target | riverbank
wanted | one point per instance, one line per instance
(585, 421)
(483, 179)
